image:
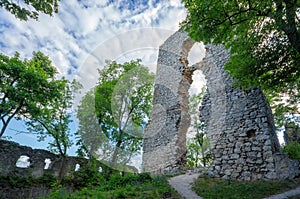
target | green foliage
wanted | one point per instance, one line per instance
(293, 150)
(55, 117)
(88, 176)
(121, 108)
(127, 186)
(20, 182)
(89, 132)
(198, 146)
(26, 86)
(116, 180)
(263, 38)
(217, 188)
(194, 154)
(23, 11)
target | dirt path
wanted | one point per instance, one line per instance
(183, 185)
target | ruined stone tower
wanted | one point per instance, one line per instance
(239, 123)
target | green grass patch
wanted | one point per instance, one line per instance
(129, 186)
(213, 188)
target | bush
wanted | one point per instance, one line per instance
(117, 180)
(88, 176)
(293, 150)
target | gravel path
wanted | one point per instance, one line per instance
(183, 185)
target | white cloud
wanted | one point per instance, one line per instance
(80, 26)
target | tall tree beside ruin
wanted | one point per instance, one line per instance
(91, 137)
(26, 86)
(123, 101)
(263, 37)
(30, 8)
(54, 120)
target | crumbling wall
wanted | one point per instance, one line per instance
(164, 148)
(240, 126)
(10, 152)
(239, 123)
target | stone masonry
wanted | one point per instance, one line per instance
(239, 123)
(10, 152)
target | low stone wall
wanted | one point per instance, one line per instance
(24, 192)
(10, 152)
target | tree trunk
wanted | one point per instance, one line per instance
(116, 151)
(62, 169)
(5, 124)
(203, 156)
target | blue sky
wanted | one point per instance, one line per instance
(85, 33)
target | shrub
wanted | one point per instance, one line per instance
(88, 176)
(293, 150)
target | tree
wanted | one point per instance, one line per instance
(54, 119)
(263, 38)
(199, 144)
(25, 87)
(89, 132)
(123, 102)
(30, 8)
(198, 151)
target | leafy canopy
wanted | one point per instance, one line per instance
(30, 8)
(26, 86)
(54, 118)
(263, 37)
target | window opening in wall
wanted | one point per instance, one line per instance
(23, 162)
(100, 169)
(47, 163)
(77, 167)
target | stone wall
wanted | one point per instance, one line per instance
(239, 123)
(25, 192)
(10, 152)
(164, 148)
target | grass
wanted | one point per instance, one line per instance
(156, 187)
(212, 188)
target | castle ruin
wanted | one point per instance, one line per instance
(239, 123)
